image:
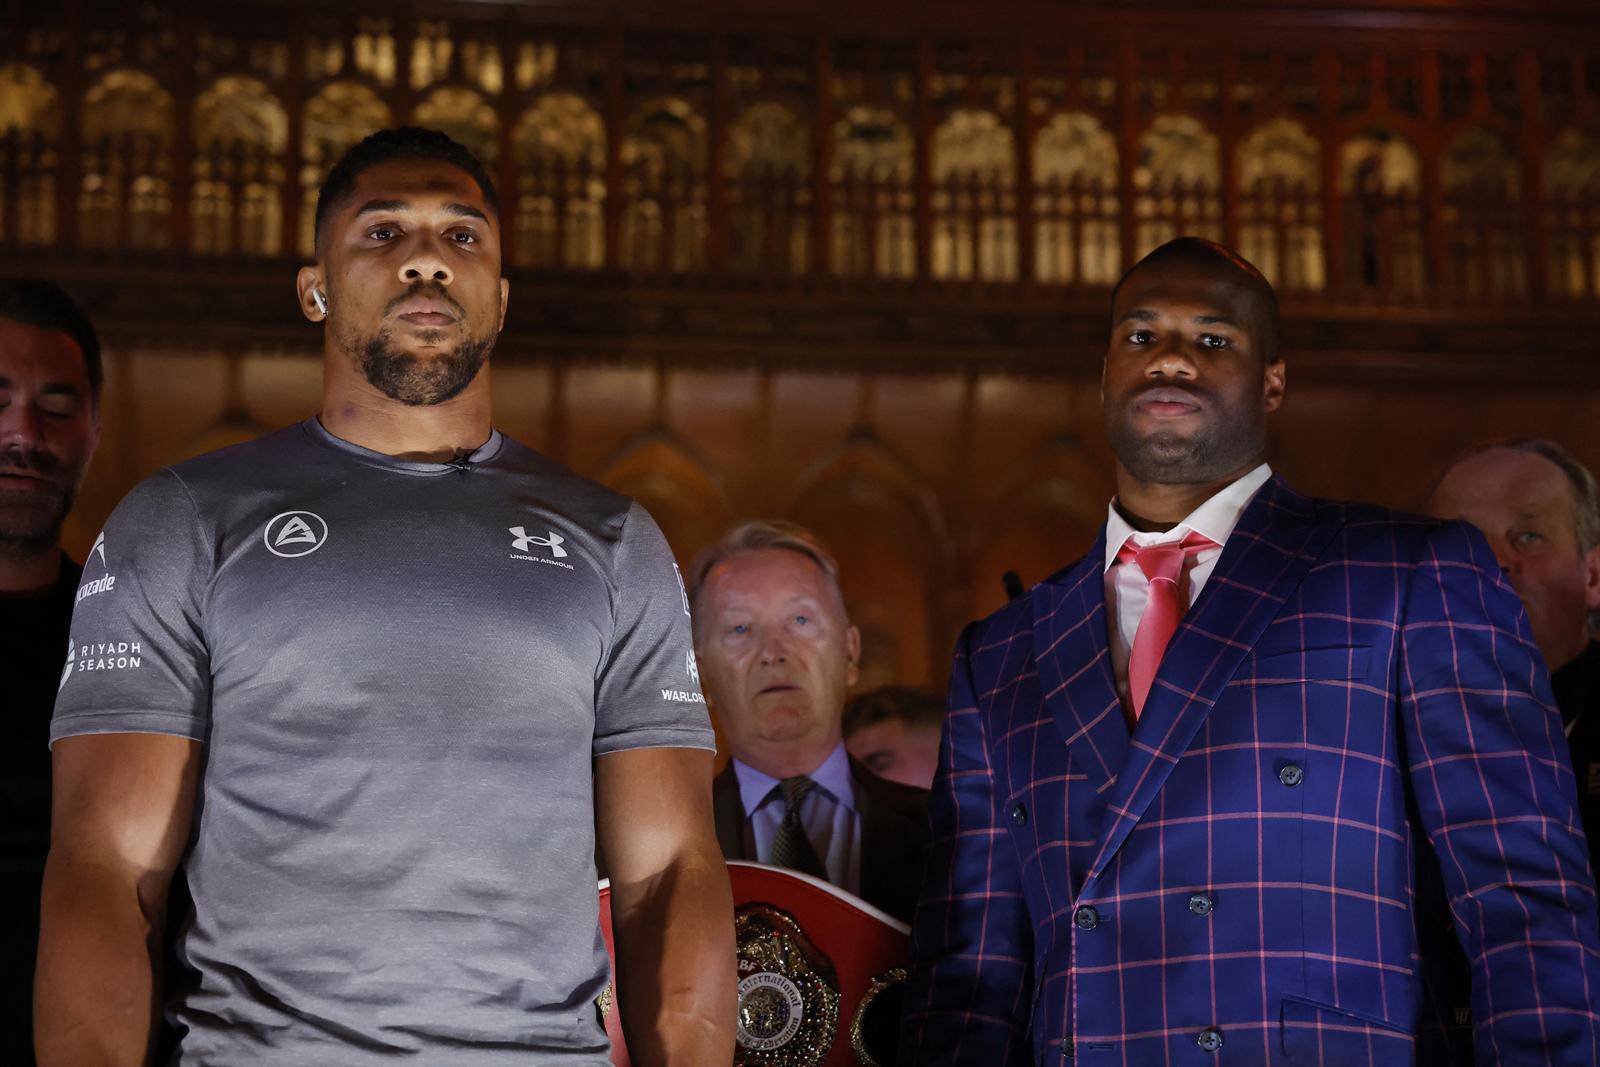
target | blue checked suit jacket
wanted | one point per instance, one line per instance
(1347, 798)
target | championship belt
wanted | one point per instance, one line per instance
(820, 973)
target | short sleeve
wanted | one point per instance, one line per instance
(648, 692)
(136, 657)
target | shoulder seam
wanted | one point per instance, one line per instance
(199, 519)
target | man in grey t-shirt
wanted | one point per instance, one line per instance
(377, 681)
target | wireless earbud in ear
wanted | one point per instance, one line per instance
(318, 299)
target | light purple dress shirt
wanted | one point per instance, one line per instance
(828, 813)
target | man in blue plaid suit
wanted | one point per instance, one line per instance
(1331, 823)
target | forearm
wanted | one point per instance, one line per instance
(96, 983)
(675, 964)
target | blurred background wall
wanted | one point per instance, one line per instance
(844, 264)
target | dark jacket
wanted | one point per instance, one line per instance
(1577, 692)
(894, 835)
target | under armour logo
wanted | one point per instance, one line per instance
(523, 542)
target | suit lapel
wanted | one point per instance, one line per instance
(727, 810)
(1275, 542)
(1074, 661)
(891, 848)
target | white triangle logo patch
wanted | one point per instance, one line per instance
(295, 532)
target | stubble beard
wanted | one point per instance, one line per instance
(418, 381)
(1167, 458)
(30, 522)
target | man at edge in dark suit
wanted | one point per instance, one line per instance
(778, 656)
(50, 378)
(1231, 787)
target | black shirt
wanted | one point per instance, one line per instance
(33, 648)
(1577, 690)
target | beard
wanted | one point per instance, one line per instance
(1168, 457)
(30, 520)
(417, 381)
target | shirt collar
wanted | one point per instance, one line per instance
(1215, 519)
(833, 776)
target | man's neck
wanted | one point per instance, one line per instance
(354, 411)
(1158, 506)
(789, 761)
(31, 574)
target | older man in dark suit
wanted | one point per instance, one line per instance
(777, 656)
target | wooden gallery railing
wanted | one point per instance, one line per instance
(1336, 237)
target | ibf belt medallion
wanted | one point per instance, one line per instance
(788, 992)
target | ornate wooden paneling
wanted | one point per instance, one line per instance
(840, 262)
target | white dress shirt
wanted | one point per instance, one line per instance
(1127, 589)
(828, 814)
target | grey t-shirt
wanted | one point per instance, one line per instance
(401, 673)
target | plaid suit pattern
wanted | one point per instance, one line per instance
(1348, 762)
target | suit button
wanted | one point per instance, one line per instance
(1019, 815)
(1067, 1050)
(1209, 1039)
(1201, 903)
(1291, 775)
(1085, 917)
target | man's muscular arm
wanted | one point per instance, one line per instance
(671, 908)
(122, 807)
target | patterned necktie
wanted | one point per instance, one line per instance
(1163, 566)
(791, 847)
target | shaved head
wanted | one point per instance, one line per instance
(1198, 254)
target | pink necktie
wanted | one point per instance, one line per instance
(1163, 566)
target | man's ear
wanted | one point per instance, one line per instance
(852, 646)
(1272, 385)
(305, 280)
(505, 301)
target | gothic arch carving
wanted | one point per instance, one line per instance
(1278, 169)
(974, 162)
(240, 132)
(1076, 237)
(874, 232)
(30, 122)
(1380, 181)
(466, 116)
(1572, 198)
(559, 210)
(877, 517)
(1178, 178)
(1039, 521)
(126, 195)
(27, 100)
(1482, 180)
(664, 158)
(769, 191)
(675, 484)
(339, 115)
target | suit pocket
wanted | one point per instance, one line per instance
(1302, 665)
(1320, 1034)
